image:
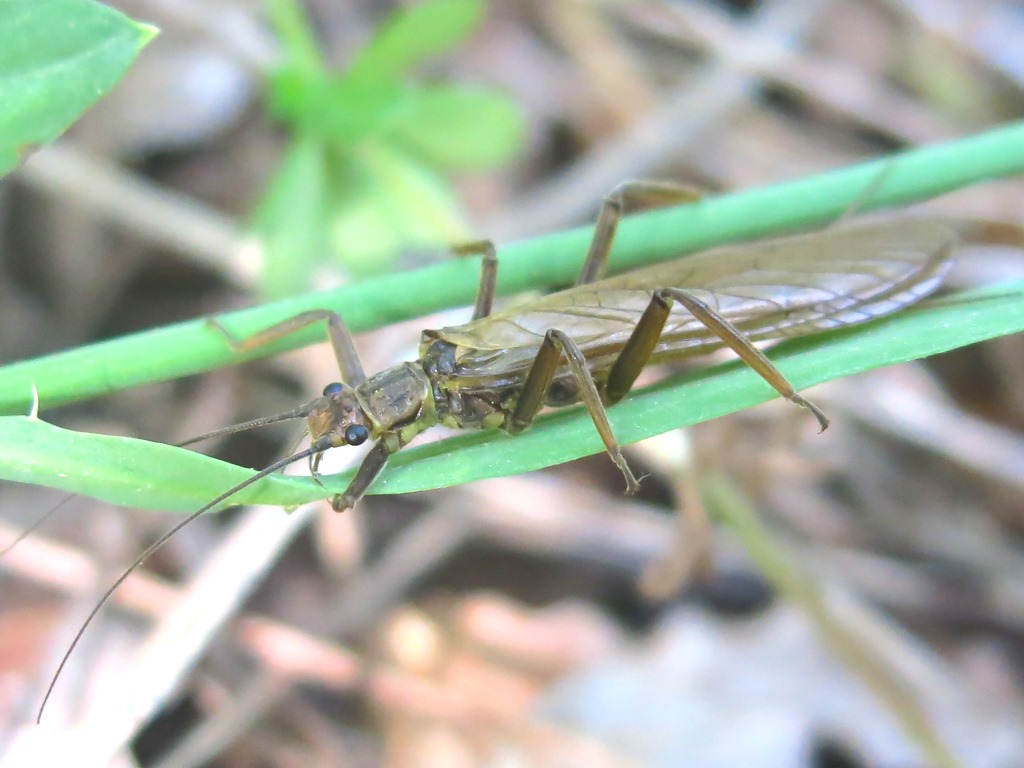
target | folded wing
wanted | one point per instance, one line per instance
(773, 289)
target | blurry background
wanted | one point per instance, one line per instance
(531, 620)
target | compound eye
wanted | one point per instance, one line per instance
(332, 389)
(356, 434)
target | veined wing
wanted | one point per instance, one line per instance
(772, 289)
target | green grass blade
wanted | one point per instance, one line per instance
(139, 473)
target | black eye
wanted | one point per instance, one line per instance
(356, 434)
(332, 389)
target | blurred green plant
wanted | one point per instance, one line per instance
(363, 175)
(57, 58)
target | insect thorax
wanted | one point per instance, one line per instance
(459, 403)
(397, 398)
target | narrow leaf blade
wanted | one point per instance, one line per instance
(140, 473)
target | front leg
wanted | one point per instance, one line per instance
(341, 339)
(365, 475)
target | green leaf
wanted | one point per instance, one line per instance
(191, 347)
(292, 219)
(139, 473)
(413, 35)
(122, 470)
(338, 110)
(391, 203)
(457, 127)
(301, 52)
(352, 110)
(57, 57)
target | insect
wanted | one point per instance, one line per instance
(590, 342)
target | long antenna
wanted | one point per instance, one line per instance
(36, 524)
(301, 412)
(298, 413)
(319, 446)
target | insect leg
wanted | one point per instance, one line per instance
(542, 373)
(365, 475)
(341, 339)
(488, 274)
(627, 195)
(644, 338)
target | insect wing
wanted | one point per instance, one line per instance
(769, 290)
